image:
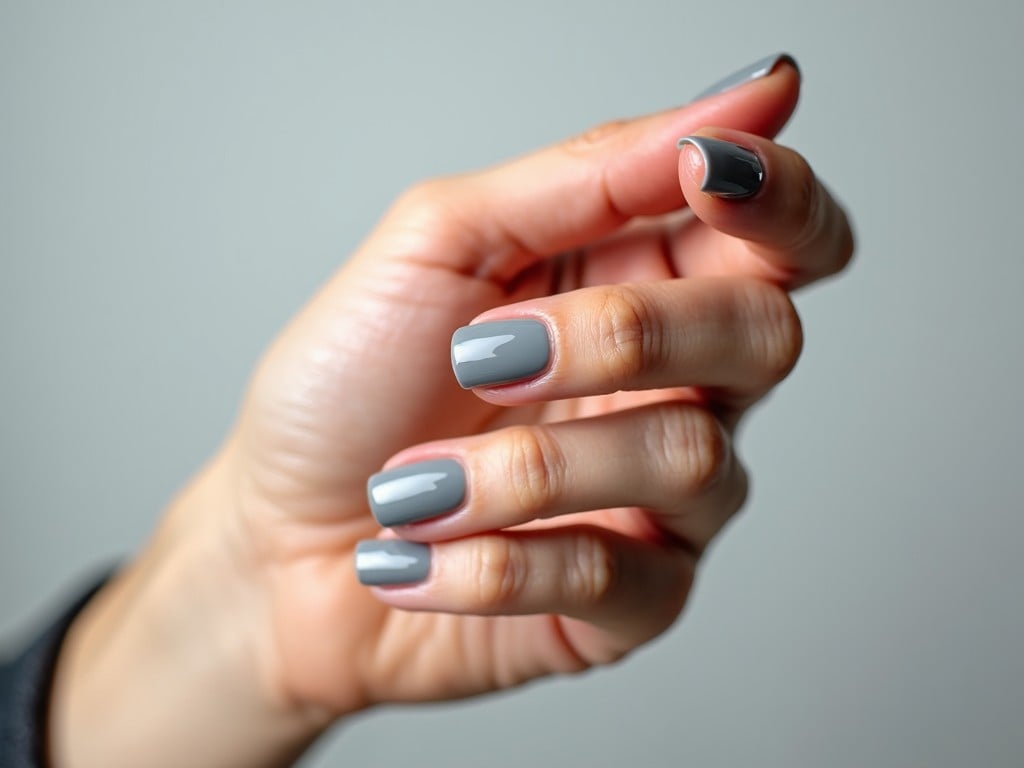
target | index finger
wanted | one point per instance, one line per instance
(495, 223)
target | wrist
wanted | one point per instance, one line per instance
(173, 662)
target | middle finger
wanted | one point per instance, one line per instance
(736, 336)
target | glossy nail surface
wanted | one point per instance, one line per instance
(729, 169)
(383, 563)
(416, 491)
(758, 69)
(499, 352)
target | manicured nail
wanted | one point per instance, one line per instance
(729, 169)
(416, 491)
(756, 70)
(382, 563)
(499, 352)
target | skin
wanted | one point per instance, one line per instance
(240, 632)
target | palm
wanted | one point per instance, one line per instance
(332, 414)
(363, 373)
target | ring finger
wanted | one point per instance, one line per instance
(673, 459)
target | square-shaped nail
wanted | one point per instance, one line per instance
(499, 352)
(387, 562)
(729, 169)
(416, 491)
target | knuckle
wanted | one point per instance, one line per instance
(536, 469)
(593, 570)
(500, 573)
(592, 137)
(706, 450)
(775, 333)
(692, 450)
(628, 338)
(426, 212)
(422, 199)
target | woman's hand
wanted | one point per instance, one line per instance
(561, 519)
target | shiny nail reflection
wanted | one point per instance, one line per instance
(475, 350)
(416, 491)
(384, 563)
(499, 352)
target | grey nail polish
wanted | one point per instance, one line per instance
(416, 491)
(499, 352)
(758, 69)
(381, 563)
(729, 169)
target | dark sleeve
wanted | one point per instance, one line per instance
(25, 691)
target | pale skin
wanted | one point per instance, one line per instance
(241, 632)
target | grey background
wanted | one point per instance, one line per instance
(176, 179)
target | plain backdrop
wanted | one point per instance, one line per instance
(177, 178)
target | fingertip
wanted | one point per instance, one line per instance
(691, 163)
(722, 168)
(761, 69)
(776, 77)
(788, 72)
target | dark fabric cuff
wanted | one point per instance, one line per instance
(25, 683)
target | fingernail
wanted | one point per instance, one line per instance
(756, 70)
(729, 169)
(416, 491)
(382, 563)
(499, 352)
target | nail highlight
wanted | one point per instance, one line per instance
(499, 352)
(416, 491)
(758, 69)
(729, 170)
(385, 563)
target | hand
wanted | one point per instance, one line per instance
(592, 487)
